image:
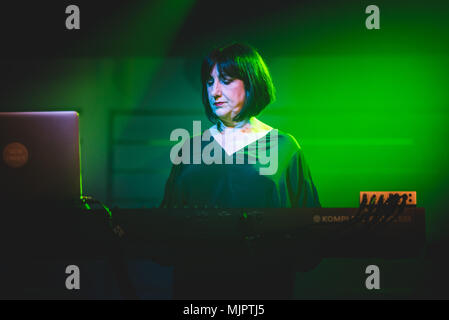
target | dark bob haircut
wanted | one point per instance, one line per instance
(240, 61)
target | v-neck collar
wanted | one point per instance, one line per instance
(232, 140)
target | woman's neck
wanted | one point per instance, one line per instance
(232, 125)
(245, 126)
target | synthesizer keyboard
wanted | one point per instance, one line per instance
(331, 232)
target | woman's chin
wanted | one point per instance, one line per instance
(222, 114)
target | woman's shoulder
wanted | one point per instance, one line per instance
(286, 140)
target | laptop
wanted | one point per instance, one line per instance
(40, 157)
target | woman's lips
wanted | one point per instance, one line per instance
(219, 104)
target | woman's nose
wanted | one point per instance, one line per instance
(216, 89)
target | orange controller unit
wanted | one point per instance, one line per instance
(411, 196)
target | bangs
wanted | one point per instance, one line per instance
(226, 67)
(230, 68)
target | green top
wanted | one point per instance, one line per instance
(242, 185)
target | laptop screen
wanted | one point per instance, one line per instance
(40, 158)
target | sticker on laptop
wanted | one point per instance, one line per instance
(15, 155)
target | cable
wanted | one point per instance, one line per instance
(115, 255)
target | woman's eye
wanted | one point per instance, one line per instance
(210, 82)
(227, 81)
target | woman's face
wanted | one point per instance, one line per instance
(226, 96)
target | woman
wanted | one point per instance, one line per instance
(237, 86)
